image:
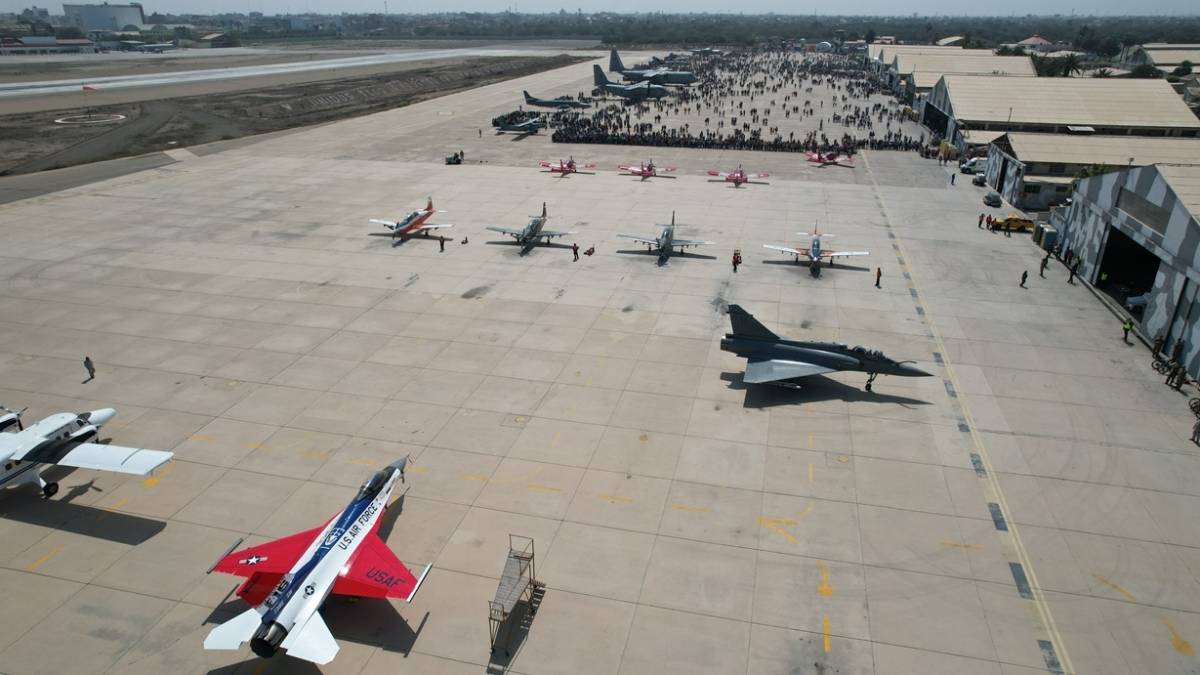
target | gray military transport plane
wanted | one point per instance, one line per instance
(651, 75)
(774, 360)
(287, 580)
(66, 439)
(532, 234)
(562, 102)
(634, 92)
(666, 242)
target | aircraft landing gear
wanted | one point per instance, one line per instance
(49, 490)
(815, 271)
(870, 380)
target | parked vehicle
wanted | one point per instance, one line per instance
(973, 165)
(992, 199)
(979, 179)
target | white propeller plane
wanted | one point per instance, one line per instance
(66, 439)
(814, 252)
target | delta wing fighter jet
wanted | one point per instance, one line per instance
(413, 223)
(66, 439)
(774, 360)
(666, 242)
(814, 252)
(532, 234)
(561, 103)
(634, 92)
(288, 579)
(652, 75)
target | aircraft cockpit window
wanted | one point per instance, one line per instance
(373, 485)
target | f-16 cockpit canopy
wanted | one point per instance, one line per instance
(869, 353)
(373, 485)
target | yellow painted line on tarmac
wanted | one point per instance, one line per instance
(154, 480)
(115, 507)
(616, 499)
(474, 476)
(42, 560)
(993, 484)
(824, 589)
(1128, 596)
(825, 633)
(254, 446)
(204, 438)
(955, 544)
(1182, 646)
(689, 509)
(417, 470)
(542, 488)
(810, 473)
(776, 525)
(315, 454)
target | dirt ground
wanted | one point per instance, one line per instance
(34, 142)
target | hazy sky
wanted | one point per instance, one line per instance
(872, 7)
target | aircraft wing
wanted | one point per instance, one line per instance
(97, 456)
(652, 242)
(758, 372)
(793, 251)
(272, 557)
(691, 242)
(714, 172)
(839, 254)
(432, 227)
(375, 572)
(505, 230)
(551, 233)
(389, 224)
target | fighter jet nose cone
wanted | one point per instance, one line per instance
(909, 370)
(102, 416)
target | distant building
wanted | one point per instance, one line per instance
(1134, 232)
(105, 16)
(217, 41)
(1165, 57)
(31, 44)
(952, 41)
(1036, 43)
(1035, 171)
(913, 74)
(962, 105)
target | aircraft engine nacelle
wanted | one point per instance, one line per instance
(84, 434)
(267, 639)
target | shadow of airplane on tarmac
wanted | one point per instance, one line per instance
(59, 514)
(809, 390)
(808, 263)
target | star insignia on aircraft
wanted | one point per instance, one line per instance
(252, 560)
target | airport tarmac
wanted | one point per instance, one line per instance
(1031, 508)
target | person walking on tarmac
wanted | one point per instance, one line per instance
(1024, 277)
(1042, 267)
(737, 259)
(1126, 326)
(575, 251)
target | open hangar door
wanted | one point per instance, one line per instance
(1127, 271)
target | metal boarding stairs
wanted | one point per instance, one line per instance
(518, 582)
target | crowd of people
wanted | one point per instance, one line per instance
(737, 96)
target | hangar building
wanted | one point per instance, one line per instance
(1136, 234)
(962, 104)
(1035, 171)
(105, 16)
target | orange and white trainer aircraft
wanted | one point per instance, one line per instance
(738, 177)
(649, 170)
(831, 159)
(566, 167)
(413, 223)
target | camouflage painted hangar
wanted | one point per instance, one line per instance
(1137, 235)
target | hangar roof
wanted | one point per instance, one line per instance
(1184, 180)
(965, 61)
(1114, 151)
(1094, 101)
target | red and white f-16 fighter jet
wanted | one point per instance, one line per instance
(647, 170)
(288, 579)
(831, 159)
(814, 252)
(738, 177)
(413, 223)
(566, 167)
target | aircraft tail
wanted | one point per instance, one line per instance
(313, 642)
(429, 205)
(745, 325)
(543, 209)
(598, 76)
(614, 62)
(232, 633)
(528, 98)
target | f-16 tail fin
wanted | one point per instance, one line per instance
(745, 325)
(598, 76)
(232, 633)
(614, 62)
(313, 642)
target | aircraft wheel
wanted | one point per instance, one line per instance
(50, 490)
(868, 386)
(815, 271)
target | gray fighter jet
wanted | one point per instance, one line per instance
(532, 234)
(666, 242)
(774, 360)
(562, 102)
(530, 126)
(652, 75)
(634, 92)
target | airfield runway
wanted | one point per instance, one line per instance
(1031, 508)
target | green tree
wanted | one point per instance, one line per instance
(870, 37)
(1146, 72)
(68, 32)
(1183, 70)
(1069, 65)
(1103, 72)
